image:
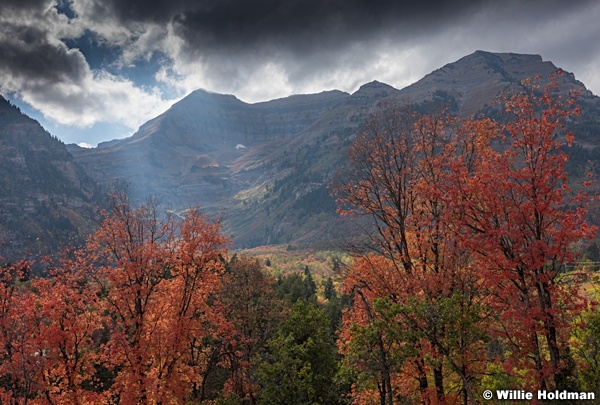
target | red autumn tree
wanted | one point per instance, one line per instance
(157, 279)
(22, 358)
(473, 218)
(396, 173)
(47, 327)
(71, 316)
(520, 221)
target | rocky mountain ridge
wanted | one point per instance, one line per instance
(46, 201)
(478, 78)
(265, 167)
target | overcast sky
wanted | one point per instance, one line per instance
(95, 70)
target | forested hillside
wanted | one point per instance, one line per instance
(47, 202)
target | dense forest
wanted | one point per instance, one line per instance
(469, 279)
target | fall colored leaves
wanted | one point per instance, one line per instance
(125, 320)
(153, 311)
(473, 223)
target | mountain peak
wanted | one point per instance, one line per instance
(375, 85)
(507, 64)
(192, 154)
(201, 97)
(475, 79)
(374, 90)
(506, 57)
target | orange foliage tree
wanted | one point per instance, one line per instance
(47, 327)
(397, 169)
(21, 356)
(69, 310)
(156, 280)
(520, 222)
(472, 225)
(131, 318)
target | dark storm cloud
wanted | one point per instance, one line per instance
(302, 25)
(31, 54)
(298, 25)
(26, 52)
(41, 65)
(296, 33)
(308, 39)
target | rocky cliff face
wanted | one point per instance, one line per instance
(46, 200)
(265, 167)
(187, 154)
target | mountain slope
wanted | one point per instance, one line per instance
(265, 167)
(474, 81)
(183, 154)
(46, 200)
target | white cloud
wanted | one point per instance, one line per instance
(99, 97)
(57, 81)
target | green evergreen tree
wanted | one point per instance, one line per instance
(294, 287)
(302, 361)
(328, 290)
